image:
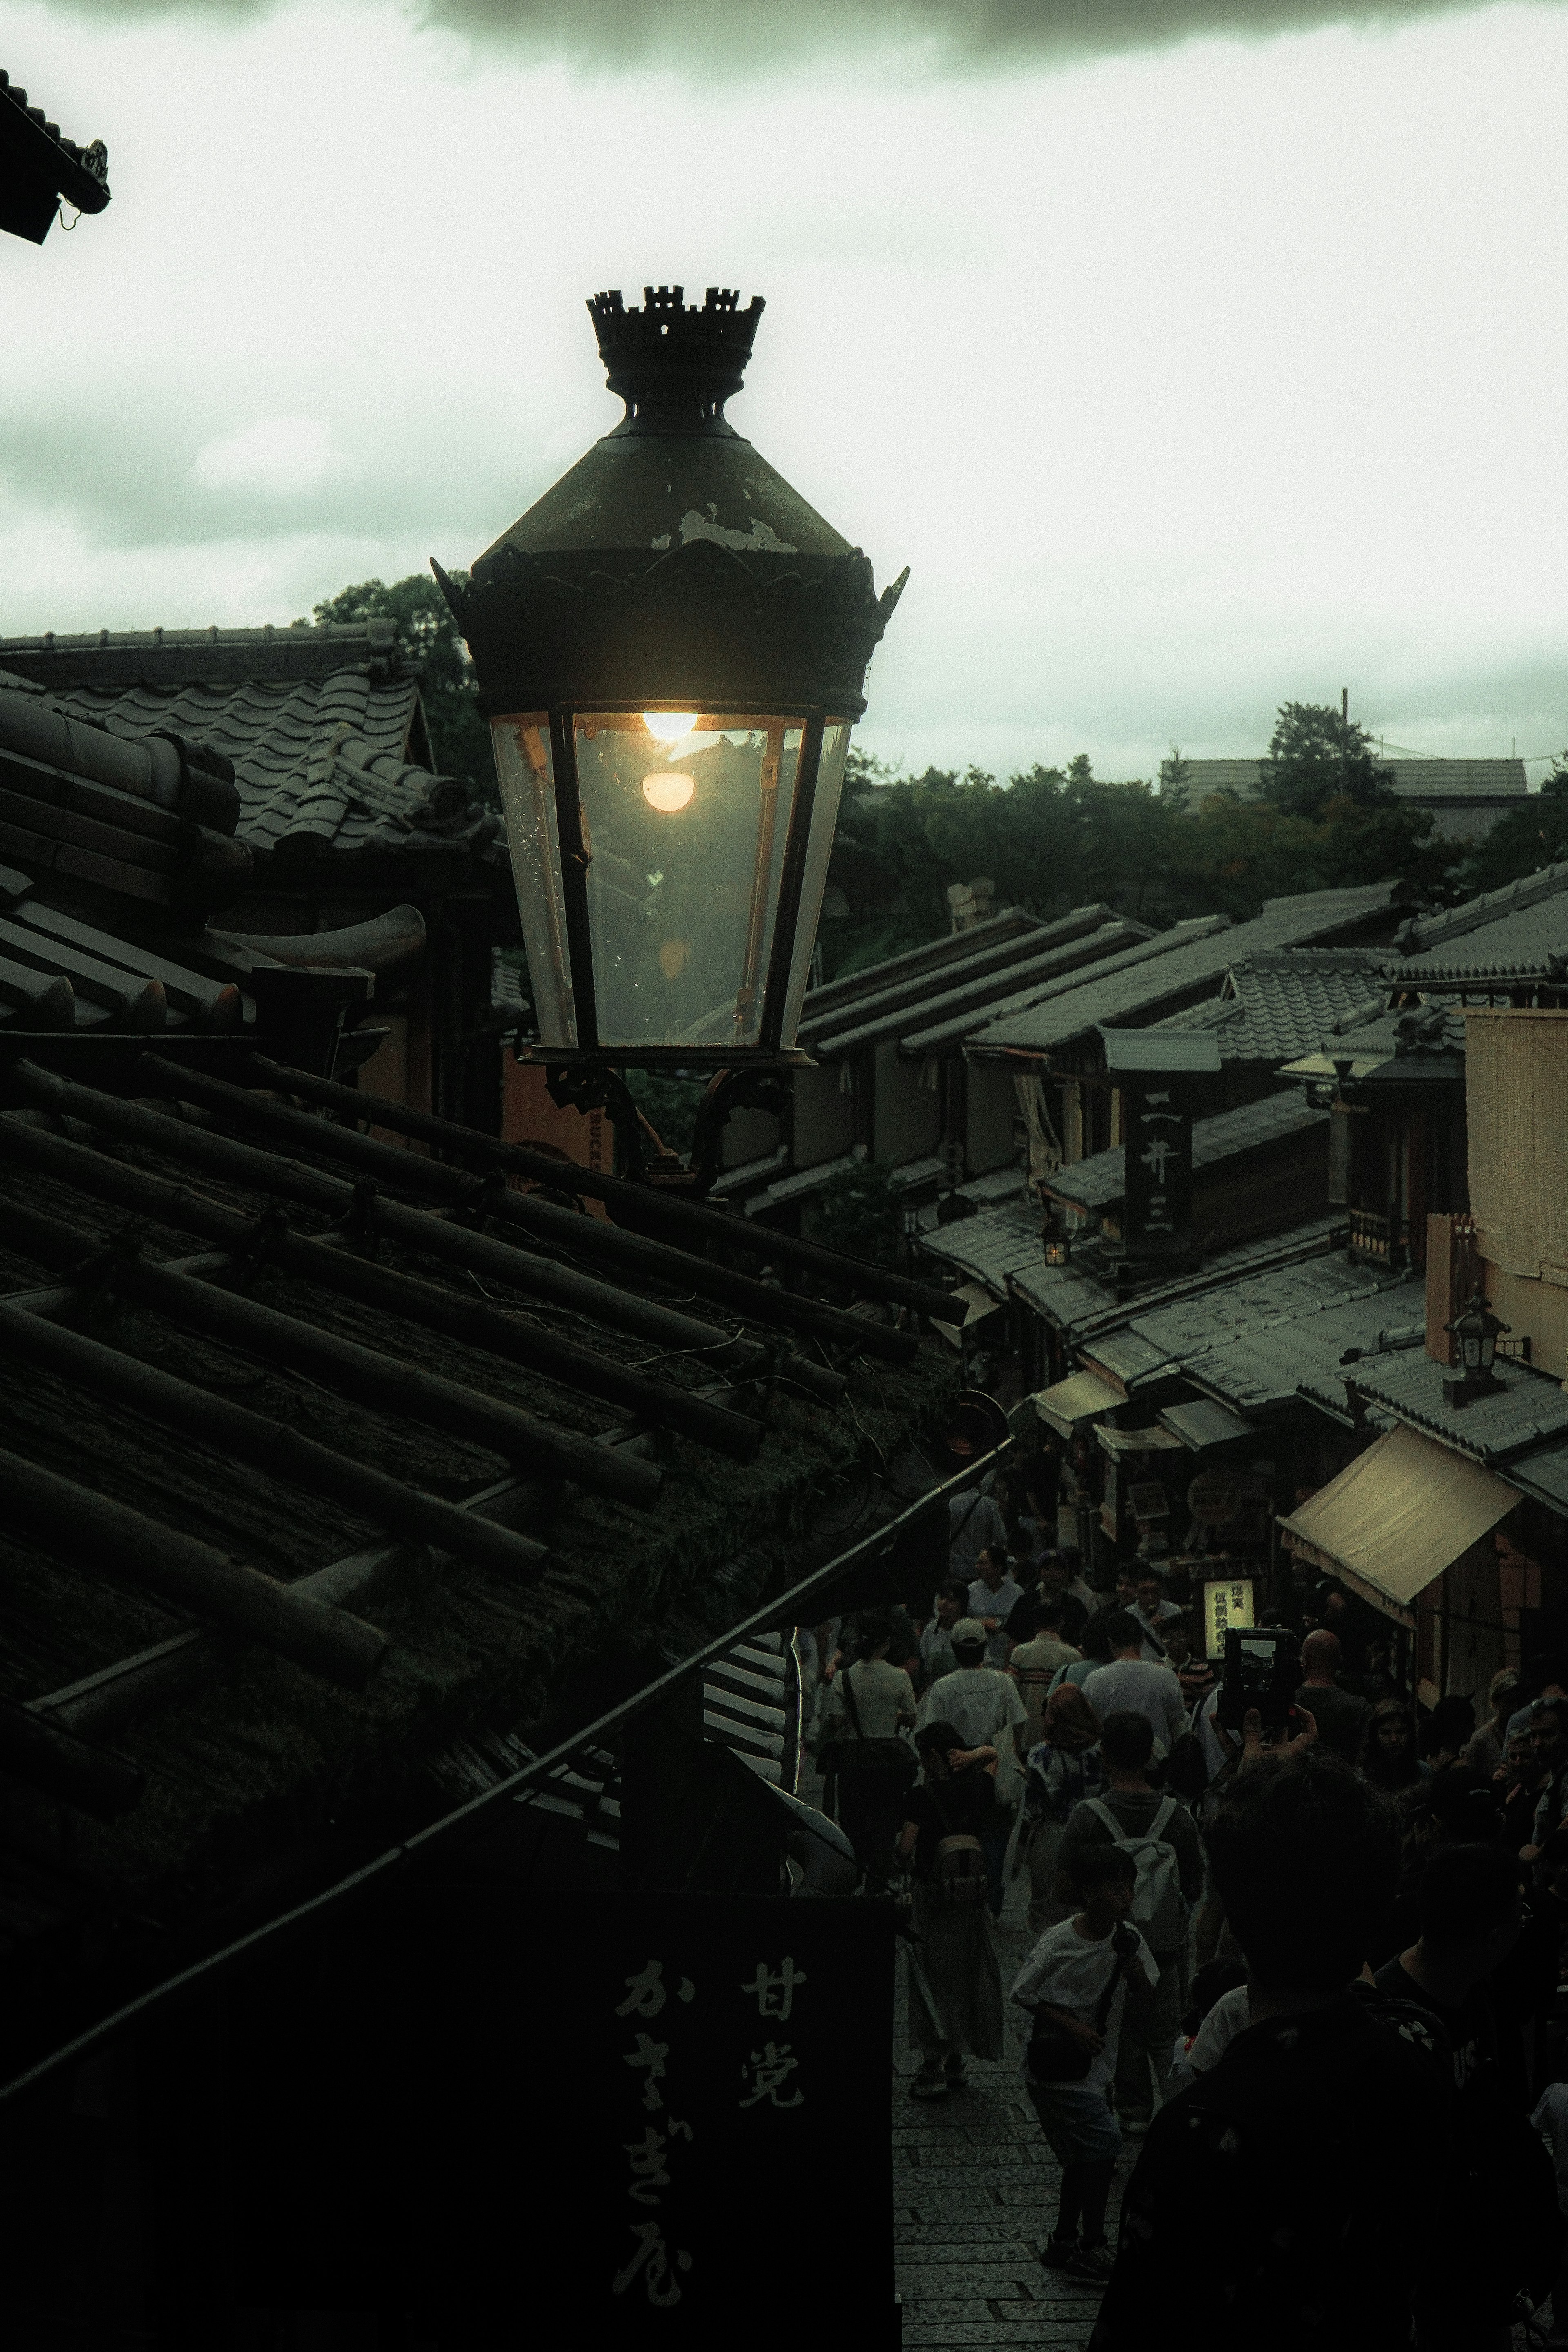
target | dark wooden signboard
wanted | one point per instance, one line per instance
(1157, 1185)
(490, 2116)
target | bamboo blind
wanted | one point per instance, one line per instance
(1516, 1085)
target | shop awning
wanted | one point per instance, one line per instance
(1119, 1442)
(974, 1303)
(1070, 1403)
(1402, 1513)
(1200, 1424)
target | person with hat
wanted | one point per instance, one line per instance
(985, 1709)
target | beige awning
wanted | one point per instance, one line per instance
(1402, 1513)
(976, 1304)
(1082, 1398)
(1119, 1442)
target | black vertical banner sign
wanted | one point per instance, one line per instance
(513, 2119)
(1157, 1185)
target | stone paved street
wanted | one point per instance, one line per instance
(975, 2188)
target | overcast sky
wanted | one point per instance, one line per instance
(1191, 370)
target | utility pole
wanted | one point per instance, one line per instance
(1345, 741)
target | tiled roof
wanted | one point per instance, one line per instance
(1121, 960)
(992, 1246)
(940, 1003)
(1082, 1307)
(1531, 1407)
(1279, 1004)
(1010, 933)
(1096, 1182)
(1212, 1339)
(1414, 780)
(1512, 933)
(319, 735)
(1122, 995)
(1301, 1356)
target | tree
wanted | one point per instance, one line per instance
(859, 1211)
(1317, 756)
(1526, 839)
(459, 738)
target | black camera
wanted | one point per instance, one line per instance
(1262, 1669)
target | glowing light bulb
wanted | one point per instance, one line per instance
(667, 793)
(669, 726)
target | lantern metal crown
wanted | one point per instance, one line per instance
(670, 647)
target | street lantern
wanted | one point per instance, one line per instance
(671, 648)
(1058, 1248)
(1475, 1334)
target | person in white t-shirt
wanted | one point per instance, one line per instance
(1082, 1974)
(994, 1595)
(1131, 1683)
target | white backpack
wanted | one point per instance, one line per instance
(1158, 1907)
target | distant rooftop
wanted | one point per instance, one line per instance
(1508, 937)
(1466, 796)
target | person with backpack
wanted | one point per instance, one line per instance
(955, 1979)
(868, 1704)
(1084, 1980)
(1157, 1832)
(1063, 1768)
(985, 1707)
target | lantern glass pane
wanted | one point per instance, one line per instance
(818, 850)
(525, 773)
(1472, 1347)
(685, 818)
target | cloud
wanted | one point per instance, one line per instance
(702, 36)
(285, 457)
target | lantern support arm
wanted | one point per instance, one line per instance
(585, 1087)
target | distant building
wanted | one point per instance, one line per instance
(1466, 797)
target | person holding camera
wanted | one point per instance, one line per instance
(1078, 1980)
(1277, 2160)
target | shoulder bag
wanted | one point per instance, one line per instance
(1058, 2056)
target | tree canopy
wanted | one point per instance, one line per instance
(1317, 755)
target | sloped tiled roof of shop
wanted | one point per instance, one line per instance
(1096, 1182)
(1531, 1407)
(1082, 1307)
(1124, 995)
(1515, 934)
(1120, 958)
(1207, 1339)
(319, 724)
(992, 1246)
(940, 1007)
(1303, 1355)
(1279, 1004)
(1010, 933)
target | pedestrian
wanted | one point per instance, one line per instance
(1450, 1728)
(987, 1711)
(1550, 2117)
(1488, 1750)
(1080, 1979)
(1279, 2161)
(1549, 1737)
(1036, 1659)
(1220, 2008)
(1471, 1917)
(1195, 1675)
(936, 1639)
(955, 1979)
(1158, 1833)
(1388, 1758)
(974, 1523)
(1151, 1607)
(870, 1702)
(1518, 1787)
(1340, 1715)
(1130, 1681)
(994, 1594)
(1065, 1767)
(1055, 1580)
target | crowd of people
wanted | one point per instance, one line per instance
(1309, 1974)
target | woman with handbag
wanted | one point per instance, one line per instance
(955, 1979)
(868, 1704)
(1077, 1980)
